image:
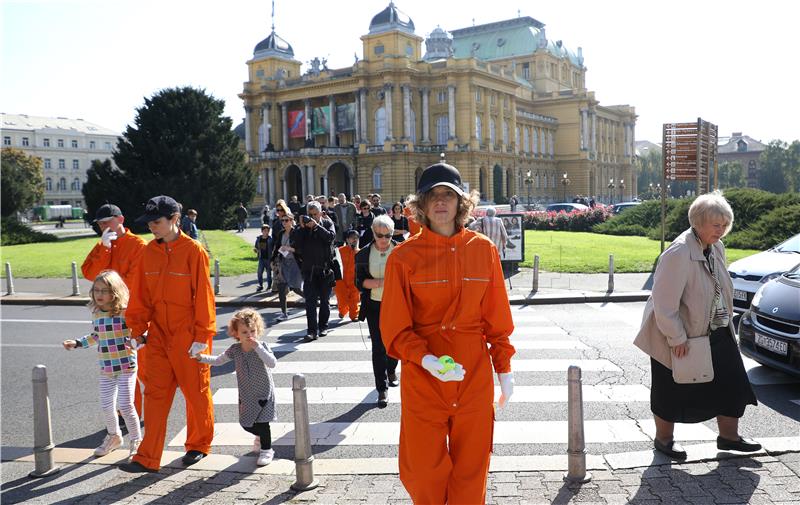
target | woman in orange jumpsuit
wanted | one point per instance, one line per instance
(174, 303)
(347, 295)
(444, 295)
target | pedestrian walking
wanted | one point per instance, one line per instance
(253, 360)
(493, 227)
(364, 224)
(400, 223)
(241, 217)
(513, 202)
(347, 294)
(173, 312)
(346, 213)
(285, 266)
(263, 249)
(687, 330)
(370, 270)
(117, 380)
(445, 314)
(189, 224)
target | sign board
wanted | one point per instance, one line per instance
(514, 251)
(690, 152)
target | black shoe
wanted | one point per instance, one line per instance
(260, 288)
(192, 457)
(310, 337)
(393, 381)
(136, 467)
(323, 332)
(672, 449)
(741, 445)
(383, 401)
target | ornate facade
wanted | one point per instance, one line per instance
(501, 101)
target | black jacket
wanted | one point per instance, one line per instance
(316, 246)
(276, 244)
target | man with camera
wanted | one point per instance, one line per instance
(314, 245)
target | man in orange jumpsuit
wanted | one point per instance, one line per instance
(174, 303)
(118, 250)
(413, 226)
(444, 295)
(347, 295)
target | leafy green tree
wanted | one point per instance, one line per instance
(775, 168)
(181, 145)
(731, 175)
(22, 181)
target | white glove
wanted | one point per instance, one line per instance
(432, 364)
(107, 237)
(197, 348)
(506, 388)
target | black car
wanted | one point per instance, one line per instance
(770, 331)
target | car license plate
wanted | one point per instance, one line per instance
(738, 294)
(772, 344)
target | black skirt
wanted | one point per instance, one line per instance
(727, 395)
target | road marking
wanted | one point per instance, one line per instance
(359, 346)
(505, 432)
(522, 394)
(53, 321)
(50, 346)
(625, 314)
(519, 365)
(355, 331)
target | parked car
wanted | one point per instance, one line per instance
(619, 207)
(750, 273)
(566, 207)
(770, 331)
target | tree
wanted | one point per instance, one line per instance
(775, 168)
(22, 181)
(181, 145)
(731, 175)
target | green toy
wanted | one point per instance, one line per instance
(447, 364)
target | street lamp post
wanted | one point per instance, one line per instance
(528, 183)
(565, 183)
(611, 190)
(309, 137)
(621, 189)
(650, 191)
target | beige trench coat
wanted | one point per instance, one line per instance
(683, 292)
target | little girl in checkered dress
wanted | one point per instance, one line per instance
(109, 298)
(253, 360)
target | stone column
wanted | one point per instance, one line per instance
(331, 121)
(271, 193)
(248, 146)
(406, 112)
(310, 183)
(363, 102)
(451, 111)
(487, 121)
(593, 136)
(285, 190)
(512, 133)
(264, 127)
(426, 122)
(551, 143)
(284, 128)
(324, 188)
(387, 90)
(307, 117)
(584, 128)
(633, 139)
(357, 134)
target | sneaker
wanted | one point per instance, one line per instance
(134, 448)
(323, 332)
(257, 444)
(265, 457)
(259, 288)
(310, 337)
(282, 317)
(110, 443)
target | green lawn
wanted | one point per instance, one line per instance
(564, 251)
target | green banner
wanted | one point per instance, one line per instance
(321, 124)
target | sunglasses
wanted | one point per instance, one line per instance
(382, 235)
(285, 220)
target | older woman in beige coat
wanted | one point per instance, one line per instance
(688, 332)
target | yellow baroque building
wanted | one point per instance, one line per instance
(501, 102)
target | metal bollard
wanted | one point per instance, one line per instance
(9, 280)
(576, 447)
(303, 457)
(75, 289)
(535, 286)
(610, 273)
(42, 432)
(216, 276)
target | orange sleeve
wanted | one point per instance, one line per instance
(205, 315)
(397, 325)
(140, 308)
(98, 259)
(496, 314)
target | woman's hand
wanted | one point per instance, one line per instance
(681, 350)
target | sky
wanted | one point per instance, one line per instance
(733, 62)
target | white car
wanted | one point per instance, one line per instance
(750, 273)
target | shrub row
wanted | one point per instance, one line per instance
(562, 221)
(13, 232)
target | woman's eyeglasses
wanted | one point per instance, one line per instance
(382, 235)
(101, 291)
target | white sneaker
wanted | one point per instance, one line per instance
(110, 443)
(257, 444)
(282, 317)
(134, 448)
(265, 457)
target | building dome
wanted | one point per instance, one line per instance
(273, 45)
(439, 45)
(391, 18)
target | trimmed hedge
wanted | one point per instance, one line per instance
(14, 232)
(637, 220)
(769, 230)
(562, 221)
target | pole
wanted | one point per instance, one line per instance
(535, 286)
(75, 289)
(610, 273)
(216, 276)
(576, 448)
(42, 432)
(303, 457)
(9, 280)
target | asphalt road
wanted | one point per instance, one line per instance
(32, 335)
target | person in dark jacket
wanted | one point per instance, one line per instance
(263, 248)
(363, 224)
(370, 267)
(314, 243)
(285, 263)
(241, 217)
(400, 223)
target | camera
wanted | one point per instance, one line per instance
(306, 219)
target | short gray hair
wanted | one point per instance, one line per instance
(491, 211)
(383, 221)
(709, 206)
(315, 204)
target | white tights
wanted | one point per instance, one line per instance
(123, 384)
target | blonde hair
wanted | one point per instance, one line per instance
(247, 317)
(119, 292)
(709, 206)
(417, 203)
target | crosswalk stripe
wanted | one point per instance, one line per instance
(356, 331)
(505, 432)
(522, 394)
(359, 346)
(518, 365)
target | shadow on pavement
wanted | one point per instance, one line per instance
(27, 489)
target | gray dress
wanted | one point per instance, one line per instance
(256, 387)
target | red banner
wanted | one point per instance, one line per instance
(297, 124)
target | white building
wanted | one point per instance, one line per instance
(66, 147)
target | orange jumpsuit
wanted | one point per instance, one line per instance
(123, 258)
(445, 295)
(413, 226)
(174, 301)
(347, 295)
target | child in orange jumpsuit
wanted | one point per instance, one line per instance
(444, 295)
(347, 294)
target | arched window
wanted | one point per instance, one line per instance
(516, 136)
(377, 178)
(442, 125)
(478, 128)
(505, 132)
(380, 125)
(412, 116)
(76, 184)
(62, 184)
(48, 184)
(535, 141)
(526, 143)
(492, 131)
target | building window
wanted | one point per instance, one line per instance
(47, 164)
(505, 132)
(260, 72)
(62, 184)
(48, 184)
(76, 184)
(516, 136)
(379, 49)
(46, 142)
(92, 144)
(441, 96)
(108, 146)
(492, 131)
(25, 142)
(60, 142)
(409, 50)
(526, 71)
(526, 142)
(478, 127)
(377, 178)
(535, 141)
(442, 129)
(6, 141)
(62, 164)
(494, 99)
(74, 144)
(380, 125)
(741, 146)
(76, 165)
(478, 95)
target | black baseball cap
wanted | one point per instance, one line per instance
(159, 206)
(440, 174)
(106, 211)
